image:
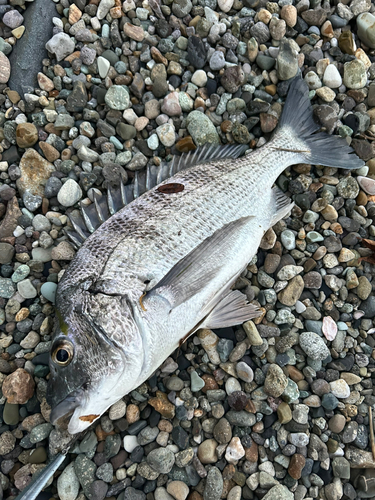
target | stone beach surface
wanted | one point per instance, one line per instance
(277, 408)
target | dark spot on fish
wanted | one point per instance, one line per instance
(89, 418)
(146, 282)
(179, 233)
(172, 187)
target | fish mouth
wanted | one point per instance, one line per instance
(64, 410)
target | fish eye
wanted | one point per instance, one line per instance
(63, 354)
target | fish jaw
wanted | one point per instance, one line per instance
(95, 404)
(85, 405)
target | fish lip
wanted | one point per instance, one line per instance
(66, 406)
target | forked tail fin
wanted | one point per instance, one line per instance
(320, 148)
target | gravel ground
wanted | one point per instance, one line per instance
(277, 408)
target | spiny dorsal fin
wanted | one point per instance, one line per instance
(106, 206)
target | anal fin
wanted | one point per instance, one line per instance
(232, 309)
(282, 205)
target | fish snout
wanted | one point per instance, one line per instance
(65, 408)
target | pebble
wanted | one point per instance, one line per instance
(69, 193)
(207, 451)
(61, 45)
(18, 387)
(4, 68)
(340, 389)
(117, 97)
(313, 346)
(275, 382)
(329, 328)
(161, 460)
(214, 484)
(332, 78)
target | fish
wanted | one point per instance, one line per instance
(149, 275)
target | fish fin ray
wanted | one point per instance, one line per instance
(207, 154)
(232, 309)
(190, 274)
(283, 205)
(320, 148)
(106, 206)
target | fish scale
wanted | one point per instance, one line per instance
(164, 265)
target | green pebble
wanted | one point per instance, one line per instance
(291, 392)
(41, 371)
(37, 456)
(20, 273)
(48, 290)
(11, 414)
(314, 237)
(117, 144)
(196, 382)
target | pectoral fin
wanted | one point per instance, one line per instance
(233, 309)
(200, 266)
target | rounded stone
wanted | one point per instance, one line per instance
(117, 97)
(69, 194)
(337, 423)
(11, 414)
(313, 345)
(275, 382)
(222, 431)
(178, 489)
(18, 387)
(161, 460)
(332, 77)
(26, 135)
(340, 388)
(199, 78)
(48, 290)
(68, 484)
(214, 485)
(201, 128)
(207, 451)
(355, 74)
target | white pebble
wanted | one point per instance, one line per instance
(199, 78)
(332, 77)
(234, 451)
(340, 388)
(130, 442)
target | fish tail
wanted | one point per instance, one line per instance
(316, 148)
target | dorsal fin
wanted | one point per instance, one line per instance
(104, 207)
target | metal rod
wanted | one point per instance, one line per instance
(35, 487)
(372, 440)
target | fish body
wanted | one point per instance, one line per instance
(163, 266)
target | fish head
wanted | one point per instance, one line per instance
(96, 358)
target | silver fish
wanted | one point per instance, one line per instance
(163, 266)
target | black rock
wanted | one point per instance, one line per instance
(77, 99)
(352, 121)
(368, 307)
(29, 51)
(137, 454)
(196, 52)
(180, 437)
(343, 364)
(325, 475)
(175, 81)
(136, 428)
